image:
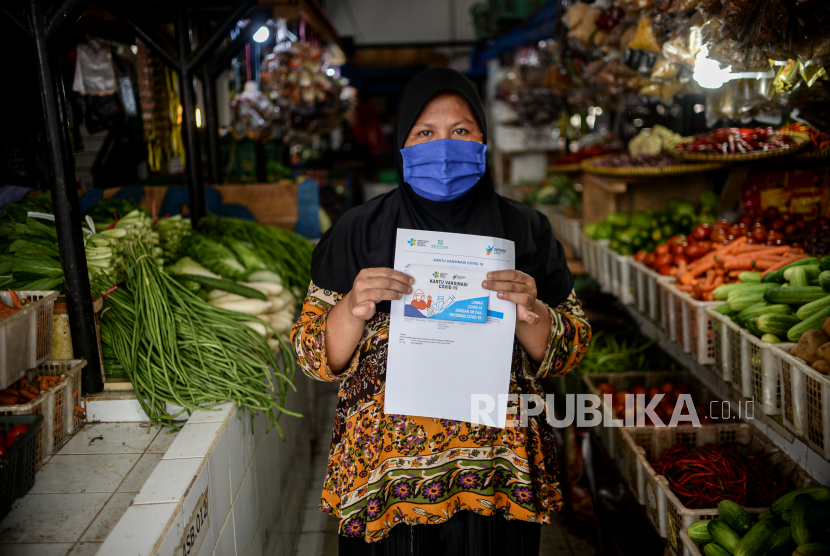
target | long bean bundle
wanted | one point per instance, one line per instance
(179, 350)
(290, 252)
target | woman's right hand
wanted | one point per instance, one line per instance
(373, 285)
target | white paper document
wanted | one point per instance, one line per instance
(450, 340)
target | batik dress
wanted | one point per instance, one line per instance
(389, 469)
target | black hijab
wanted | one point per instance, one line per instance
(364, 237)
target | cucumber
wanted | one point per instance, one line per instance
(819, 514)
(712, 549)
(755, 540)
(766, 514)
(699, 532)
(780, 543)
(724, 535)
(808, 310)
(794, 295)
(812, 323)
(824, 264)
(725, 310)
(225, 286)
(721, 293)
(778, 275)
(811, 272)
(820, 494)
(744, 300)
(797, 278)
(776, 324)
(798, 519)
(753, 327)
(785, 516)
(816, 548)
(735, 516)
(824, 279)
(770, 339)
(745, 277)
(762, 308)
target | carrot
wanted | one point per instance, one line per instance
(688, 288)
(748, 248)
(681, 267)
(764, 253)
(738, 263)
(763, 264)
(80, 410)
(15, 299)
(9, 400)
(24, 384)
(11, 392)
(686, 277)
(703, 268)
(75, 394)
(784, 262)
(28, 395)
(709, 296)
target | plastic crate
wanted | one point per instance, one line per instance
(646, 292)
(56, 404)
(695, 330)
(25, 336)
(620, 442)
(691, 548)
(672, 312)
(805, 399)
(727, 339)
(18, 466)
(665, 511)
(759, 374)
(604, 257)
(589, 256)
(621, 278)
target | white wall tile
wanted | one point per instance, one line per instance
(138, 530)
(108, 517)
(36, 549)
(191, 501)
(109, 438)
(263, 490)
(85, 549)
(237, 451)
(50, 517)
(163, 441)
(818, 467)
(169, 481)
(219, 414)
(220, 481)
(84, 473)
(256, 547)
(173, 537)
(140, 472)
(245, 508)
(115, 411)
(193, 441)
(226, 543)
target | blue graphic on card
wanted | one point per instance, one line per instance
(446, 293)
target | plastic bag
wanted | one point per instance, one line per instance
(587, 26)
(664, 70)
(644, 38)
(94, 74)
(575, 15)
(685, 45)
(710, 8)
(737, 14)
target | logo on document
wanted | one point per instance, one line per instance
(418, 242)
(496, 250)
(411, 242)
(440, 242)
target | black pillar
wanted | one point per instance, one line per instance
(212, 125)
(193, 152)
(67, 212)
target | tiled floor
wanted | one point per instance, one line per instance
(318, 535)
(82, 491)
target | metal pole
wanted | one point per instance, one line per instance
(69, 11)
(154, 40)
(212, 126)
(67, 212)
(218, 35)
(195, 182)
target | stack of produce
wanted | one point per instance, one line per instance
(7, 440)
(735, 140)
(703, 476)
(620, 352)
(796, 523)
(178, 349)
(558, 191)
(22, 391)
(665, 409)
(587, 152)
(785, 302)
(172, 232)
(645, 230)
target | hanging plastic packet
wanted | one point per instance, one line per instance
(644, 38)
(786, 77)
(447, 293)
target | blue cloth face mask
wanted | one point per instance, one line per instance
(445, 169)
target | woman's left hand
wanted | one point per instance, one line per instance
(518, 287)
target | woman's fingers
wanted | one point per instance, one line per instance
(499, 286)
(519, 298)
(510, 276)
(376, 295)
(528, 316)
(383, 283)
(364, 310)
(389, 273)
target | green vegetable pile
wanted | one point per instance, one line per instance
(178, 349)
(558, 191)
(611, 352)
(645, 229)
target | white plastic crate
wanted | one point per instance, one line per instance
(696, 328)
(604, 266)
(646, 291)
(759, 372)
(805, 399)
(690, 547)
(726, 336)
(590, 256)
(621, 280)
(573, 234)
(672, 311)
(25, 336)
(56, 404)
(665, 511)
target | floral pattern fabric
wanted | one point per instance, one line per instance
(389, 469)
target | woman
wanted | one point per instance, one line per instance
(401, 482)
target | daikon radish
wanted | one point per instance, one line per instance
(248, 306)
(258, 326)
(277, 304)
(227, 297)
(268, 288)
(274, 344)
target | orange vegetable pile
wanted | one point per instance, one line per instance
(665, 409)
(17, 304)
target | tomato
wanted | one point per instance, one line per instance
(662, 260)
(696, 250)
(619, 409)
(718, 235)
(606, 388)
(678, 249)
(799, 223)
(775, 238)
(759, 233)
(649, 260)
(2, 450)
(677, 260)
(667, 270)
(722, 225)
(702, 231)
(653, 391)
(682, 387)
(772, 213)
(638, 389)
(706, 243)
(736, 230)
(640, 255)
(662, 249)
(15, 432)
(745, 219)
(619, 397)
(676, 240)
(823, 222)
(787, 217)
(777, 224)
(667, 387)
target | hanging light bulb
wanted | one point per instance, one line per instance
(708, 73)
(262, 34)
